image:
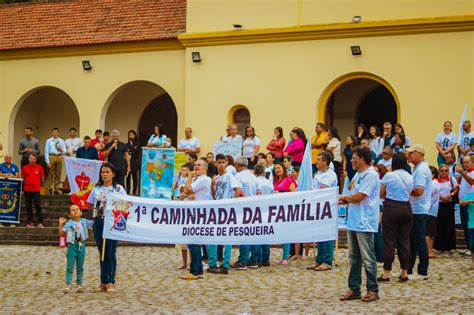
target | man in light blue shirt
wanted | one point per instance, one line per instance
(420, 200)
(362, 223)
(54, 150)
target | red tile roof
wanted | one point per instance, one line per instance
(88, 22)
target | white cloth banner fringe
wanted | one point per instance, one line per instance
(298, 217)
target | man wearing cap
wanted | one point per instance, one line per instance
(420, 199)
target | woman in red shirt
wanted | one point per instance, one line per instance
(277, 144)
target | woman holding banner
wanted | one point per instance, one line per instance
(282, 182)
(97, 201)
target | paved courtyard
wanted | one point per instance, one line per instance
(148, 281)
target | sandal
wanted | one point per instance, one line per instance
(382, 279)
(182, 266)
(101, 288)
(370, 297)
(350, 295)
(313, 267)
(323, 267)
(110, 288)
(403, 279)
(190, 276)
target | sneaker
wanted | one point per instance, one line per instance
(266, 264)
(253, 265)
(238, 266)
(67, 289)
(212, 269)
(79, 288)
(417, 277)
(223, 271)
(40, 225)
(30, 225)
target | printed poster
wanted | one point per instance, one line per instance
(157, 173)
(232, 148)
(10, 201)
(82, 175)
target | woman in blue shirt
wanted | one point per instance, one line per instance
(158, 139)
(397, 217)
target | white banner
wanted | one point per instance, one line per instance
(82, 175)
(298, 217)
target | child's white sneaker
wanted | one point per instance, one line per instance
(79, 289)
(67, 289)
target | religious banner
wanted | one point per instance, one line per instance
(10, 201)
(82, 175)
(298, 217)
(157, 173)
(232, 148)
(180, 158)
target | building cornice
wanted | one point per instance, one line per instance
(330, 31)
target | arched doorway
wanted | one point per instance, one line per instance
(140, 105)
(240, 116)
(358, 98)
(42, 108)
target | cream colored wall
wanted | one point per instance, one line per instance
(281, 83)
(218, 15)
(91, 91)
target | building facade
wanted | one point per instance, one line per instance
(266, 63)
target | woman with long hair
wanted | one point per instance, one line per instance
(376, 142)
(433, 212)
(282, 182)
(250, 146)
(399, 128)
(398, 143)
(361, 133)
(334, 146)
(97, 201)
(397, 218)
(277, 144)
(158, 139)
(133, 148)
(295, 148)
(346, 158)
(445, 239)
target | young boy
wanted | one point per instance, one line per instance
(287, 163)
(76, 236)
(469, 201)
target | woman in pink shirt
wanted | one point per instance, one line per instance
(295, 148)
(283, 183)
(277, 144)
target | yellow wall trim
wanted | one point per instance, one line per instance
(335, 84)
(158, 45)
(331, 31)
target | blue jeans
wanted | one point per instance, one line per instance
(418, 244)
(378, 244)
(286, 250)
(76, 255)
(264, 253)
(108, 267)
(361, 251)
(212, 255)
(464, 219)
(248, 253)
(325, 253)
(196, 260)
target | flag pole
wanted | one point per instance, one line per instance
(102, 254)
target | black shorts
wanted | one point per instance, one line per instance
(431, 226)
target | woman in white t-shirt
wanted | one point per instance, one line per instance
(445, 239)
(397, 218)
(250, 146)
(334, 146)
(376, 142)
(97, 201)
(158, 139)
(445, 142)
(433, 212)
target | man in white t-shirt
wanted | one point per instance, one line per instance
(73, 142)
(324, 178)
(467, 182)
(465, 139)
(198, 184)
(362, 224)
(386, 159)
(248, 187)
(266, 188)
(224, 186)
(233, 136)
(189, 144)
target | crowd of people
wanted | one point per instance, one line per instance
(396, 201)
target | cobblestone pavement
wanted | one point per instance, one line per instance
(148, 281)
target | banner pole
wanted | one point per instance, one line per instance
(102, 254)
(336, 258)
